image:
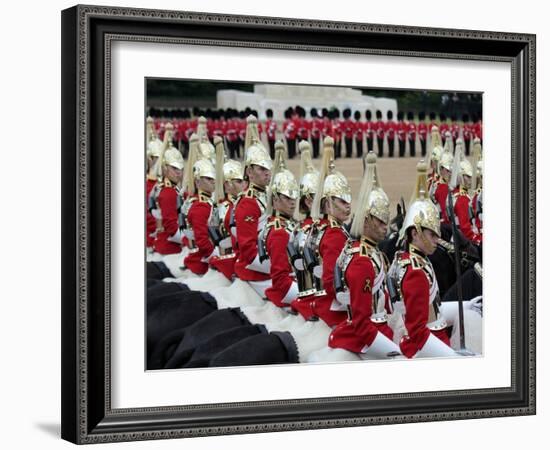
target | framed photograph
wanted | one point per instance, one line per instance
(121, 65)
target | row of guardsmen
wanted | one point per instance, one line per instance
(289, 240)
(351, 134)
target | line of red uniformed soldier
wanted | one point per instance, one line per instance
(297, 127)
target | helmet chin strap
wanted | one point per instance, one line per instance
(333, 207)
(423, 237)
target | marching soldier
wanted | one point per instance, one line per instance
(316, 130)
(250, 209)
(369, 130)
(401, 129)
(379, 127)
(271, 131)
(414, 279)
(331, 208)
(360, 276)
(411, 133)
(390, 128)
(422, 132)
(229, 184)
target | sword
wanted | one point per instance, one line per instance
(451, 215)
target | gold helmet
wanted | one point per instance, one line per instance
(255, 152)
(233, 170)
(154, 148)
(258, 155)
(466, 168)
(204, 168)
(372, 198)
(446, 161)
(422, 212)
(283, 180)
(331, 182)
(172, 157)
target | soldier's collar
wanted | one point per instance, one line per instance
(416, 251)
(151, 177)
(204, 194)
(368, 241)
(281, 215)
(256, 187)
(333, 219)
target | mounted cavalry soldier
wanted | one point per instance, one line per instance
(229, 184)
(434, 157)
(309, 180)
(154, 159)
(273, 241)
(440, 188)
(360, 276)
(331, 208)
(197, 209)
(414, 280)
(462, 199)
(250, 209)
(167, 200)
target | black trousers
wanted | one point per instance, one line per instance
(423, 147)
(401, 148)
(349, 147)
(412, 147)
(359, 145)
(315, 144)
(380, 147)
(390, 147)
(370, 144)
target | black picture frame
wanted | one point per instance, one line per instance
(87, 33)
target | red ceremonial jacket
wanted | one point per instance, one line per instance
(418, 289)
(197, 221)
(225, 263)
(168, 204)
(249, 208)
(332, 242)
(462, 213)
(283, 284)
(422, 131)
(360, 276)
(151, 222)
(441, 193)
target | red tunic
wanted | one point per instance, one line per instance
(197, 220)
(402, 129)
(411, 130)
(332, 243)
(283, 284)
(151, 222)
(416, 286)
(441, 193)
(360, 331)
(422, 131)
(390, 128)
(248, 210)
(168, 204)
(462, 214)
